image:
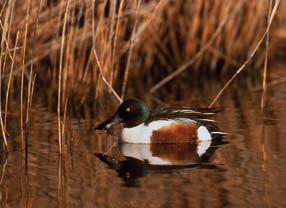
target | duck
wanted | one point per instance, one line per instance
(165, 125)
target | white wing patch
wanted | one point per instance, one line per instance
(203, 134)
(202, 147)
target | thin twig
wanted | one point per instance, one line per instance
(11, 50)
(104, 79)
(274, 10)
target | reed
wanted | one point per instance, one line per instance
(98, 48)
(265, 65)
(60, 78)
(3, 59)
(132, 42)
(253, 52)
(32, 77)
(23, 72)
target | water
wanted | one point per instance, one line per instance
(247, 170)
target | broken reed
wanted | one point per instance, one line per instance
(167, 35)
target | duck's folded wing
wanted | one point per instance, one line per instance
(196, 114)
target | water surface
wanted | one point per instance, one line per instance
(247, 170)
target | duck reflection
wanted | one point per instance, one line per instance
(136, 160)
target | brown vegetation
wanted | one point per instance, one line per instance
(84, 49)
(146, 39)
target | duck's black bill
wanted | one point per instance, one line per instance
(108, 123)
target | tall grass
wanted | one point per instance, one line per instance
(253, 52)
(168, 34)
(97, 48)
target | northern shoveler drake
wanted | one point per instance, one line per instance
(167, 125)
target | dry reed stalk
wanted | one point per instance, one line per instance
(264, 76)
(30, 94)
(192, 61)
(10, 81)
(5, 36)
(65, 116)
(145, 25)
(1, 119)
(12, 7)
(3, 7)
(112, 36)
(127, 69)
(74, 65)
(22, 74)
(32, 90)
(263, 95)
(4, 61)
(94, 35)
(31, 85)
(3, 40)
(59, 175)
(167, 35)
(85, 78)
(3, 171)
(60, 77)
(104, 79)
(69, 56)
(98, 62)
(273, 12)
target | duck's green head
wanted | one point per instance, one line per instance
(131, 113)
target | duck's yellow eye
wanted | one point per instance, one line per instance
(128, 109)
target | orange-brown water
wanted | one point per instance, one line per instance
(248, 171)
